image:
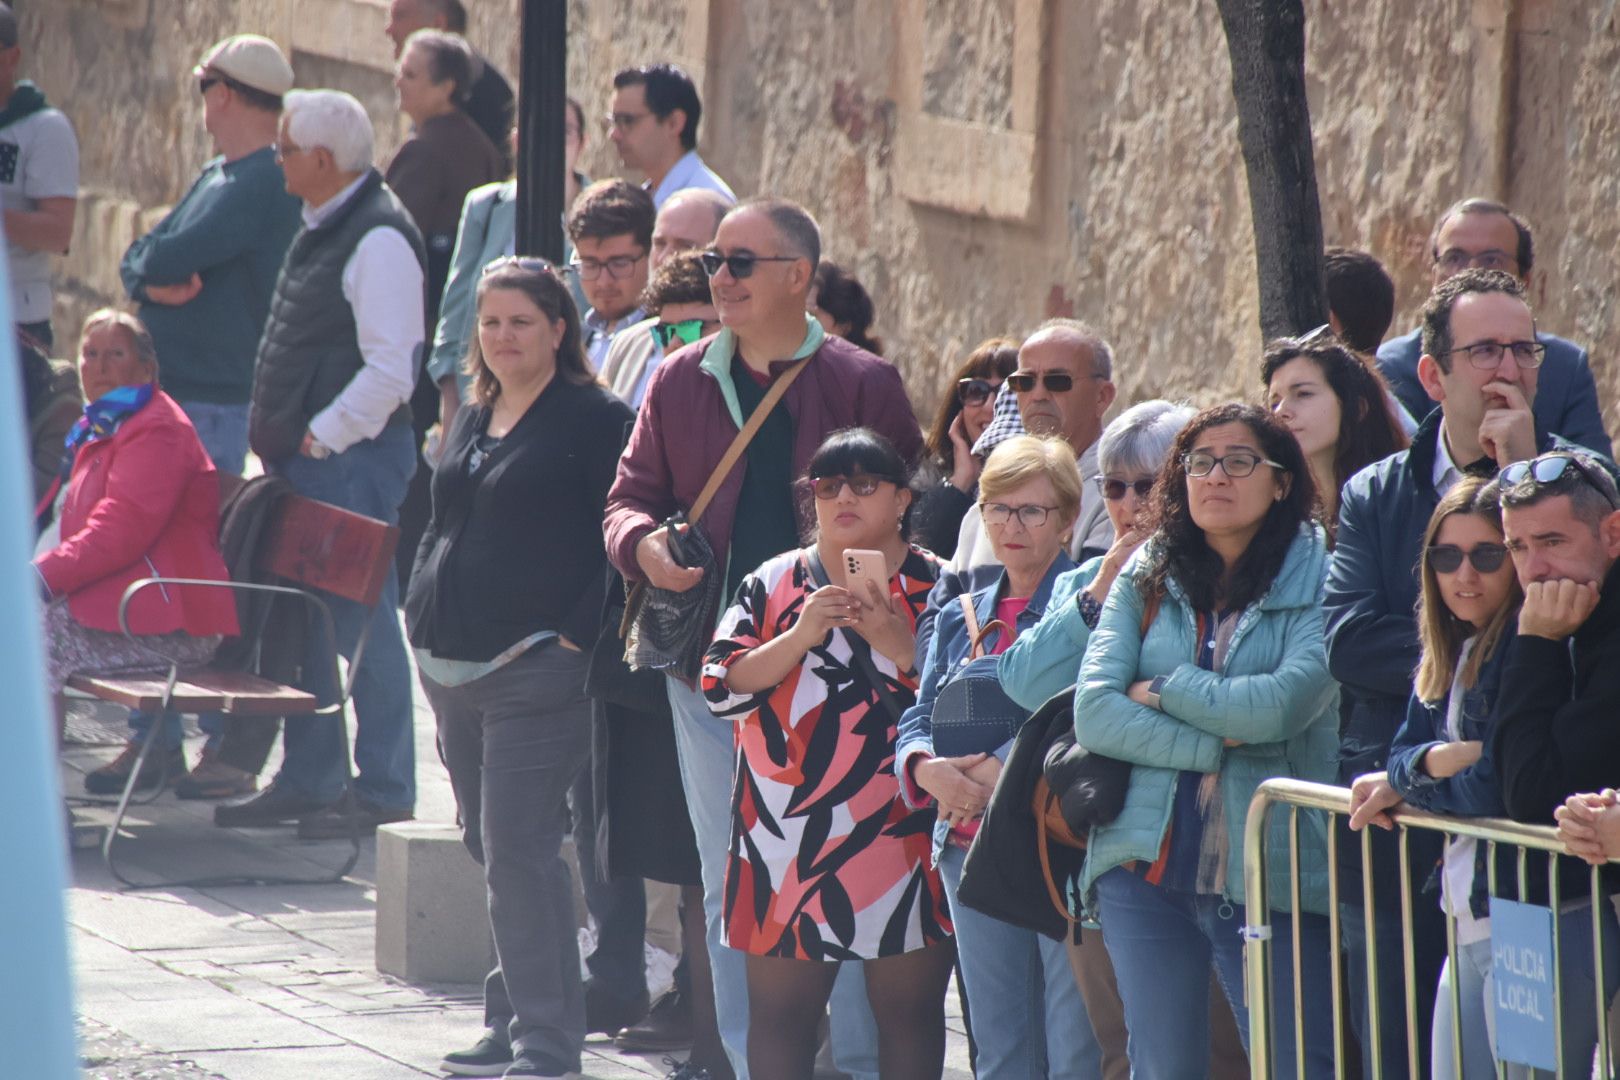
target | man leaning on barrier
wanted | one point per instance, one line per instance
(1556, 733)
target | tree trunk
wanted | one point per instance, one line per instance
(1266, 42)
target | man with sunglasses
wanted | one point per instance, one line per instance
(1479, 367)
(39, 186)
(686, 222)
(1483, 234)
(611, 226)
(760, 271)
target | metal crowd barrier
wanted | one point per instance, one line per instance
(1297, 795)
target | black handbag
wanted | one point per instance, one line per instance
(669, 631)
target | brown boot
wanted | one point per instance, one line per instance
(111, 777)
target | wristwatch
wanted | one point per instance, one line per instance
(1156, 687)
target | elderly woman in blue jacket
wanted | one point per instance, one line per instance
(1027, 1014)
(1227, 687)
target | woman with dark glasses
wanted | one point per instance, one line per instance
(949, 476)
(813, 665)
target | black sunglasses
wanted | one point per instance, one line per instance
(1057, 382)
(975, 391)
(1114, 490)
(861, 484)
(740, 264)
(1550, 468)
(1448, 558)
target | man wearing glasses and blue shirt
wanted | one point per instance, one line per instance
(611, 226)
(1486, 235)
(1481, 364)
(653, 122)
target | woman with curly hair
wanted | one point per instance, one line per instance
(1208, 673)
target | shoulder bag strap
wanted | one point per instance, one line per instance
(735, 451)
(859, 650)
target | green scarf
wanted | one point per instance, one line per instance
(26, 100)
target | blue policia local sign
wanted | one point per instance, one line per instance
(1522, 983)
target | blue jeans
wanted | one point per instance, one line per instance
(1029, 1021)
(1428, 954)
(708, 755)
(1576, 985)
(1163, 942)
(368, 478)
(223, 430)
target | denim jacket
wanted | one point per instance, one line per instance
(1475, 791)
(947, 652)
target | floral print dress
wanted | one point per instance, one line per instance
(826, 861)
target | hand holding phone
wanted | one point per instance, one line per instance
(863, 565)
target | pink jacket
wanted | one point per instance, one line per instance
(689, 418)
(143, 503)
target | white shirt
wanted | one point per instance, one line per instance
(39, 159)
(383, 283)
(689, 172)
(1446, 473)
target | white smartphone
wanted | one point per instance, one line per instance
(862, 565)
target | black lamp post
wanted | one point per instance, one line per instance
(542, 106)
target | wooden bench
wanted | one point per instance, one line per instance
(309, 548)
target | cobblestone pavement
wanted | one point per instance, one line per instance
(265, 982)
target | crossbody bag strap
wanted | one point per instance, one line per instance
(977, 636)
(734, 452)
(859, 650)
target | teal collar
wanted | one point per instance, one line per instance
(718, 356)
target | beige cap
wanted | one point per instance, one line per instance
(251, 60)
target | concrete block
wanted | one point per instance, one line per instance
(432, 915)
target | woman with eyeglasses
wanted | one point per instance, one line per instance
(1337, 406)
(1028, 1018)
(949, 475)
(1207, 672)
(813, 664)
(506, 589)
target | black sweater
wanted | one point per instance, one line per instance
(516, 546)
(1557, 732)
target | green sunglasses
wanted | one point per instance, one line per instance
(686, 331)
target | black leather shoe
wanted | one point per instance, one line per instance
(667, 1027)
(489, 1056)
(609, 1014)
(332, 823)
(275, 805)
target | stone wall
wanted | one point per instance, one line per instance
(982, 165)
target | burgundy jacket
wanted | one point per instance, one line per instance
(143, 503)
(685, 426)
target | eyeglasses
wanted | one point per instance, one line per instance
(974, 392)
(1114, 490)
(618, 267)
(1550, 468)
(686, 331)
(1456, 260)
(623, 121)
(1056, 382)
(1448, 558)
(532, 263)
(1237, 465)
(860, 485)
(1031, 514)
(741, 264)
(1487, 355)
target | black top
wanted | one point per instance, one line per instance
(515, 545)
(490, 104)
(766, 523)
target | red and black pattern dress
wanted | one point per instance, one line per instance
(826, 862)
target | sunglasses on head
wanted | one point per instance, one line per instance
(1448, 558)
(741, 263)
(1114, 490)
(861, 484)
(685, 331)
(532, 263)
(973, 392)
(1550, 468)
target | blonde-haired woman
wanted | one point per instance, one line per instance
(1028, 1017)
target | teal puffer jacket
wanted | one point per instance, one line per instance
(1274, 697)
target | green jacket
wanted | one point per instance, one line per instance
(1274, 698)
